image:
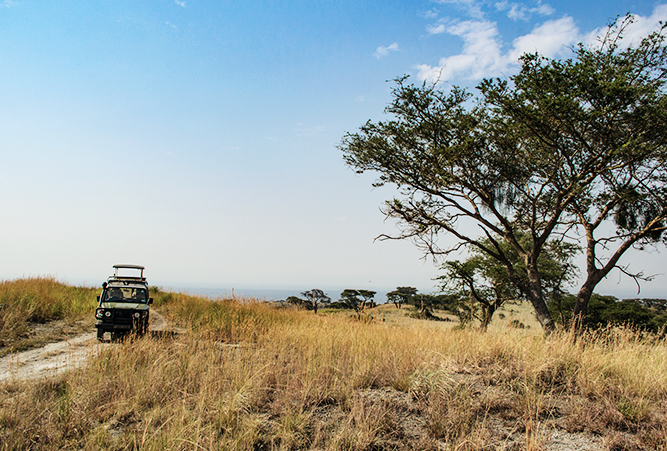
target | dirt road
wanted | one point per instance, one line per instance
(61, 356)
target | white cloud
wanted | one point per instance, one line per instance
(430, 14)
(384, 51)
(516, 10)
(482, 54)
(8, 4)
(519, 11)
(180, 3)
(549, 39)
(634, 33)
(169, 24)
(436, 28)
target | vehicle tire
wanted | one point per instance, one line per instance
(100, 334)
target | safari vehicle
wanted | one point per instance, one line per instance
(123, 307)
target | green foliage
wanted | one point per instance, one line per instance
(357, 300)
(297, 301)
(401, 295)
(427, 303)
(647, 314)
(316, 297)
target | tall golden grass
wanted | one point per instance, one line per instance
(250, 376)
(38, 300)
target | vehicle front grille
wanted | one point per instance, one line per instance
(123, 313)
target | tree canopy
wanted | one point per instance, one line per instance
(401, 295)
(357, 300)
(572, 150)
(316, 297)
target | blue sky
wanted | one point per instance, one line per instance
(198, 138)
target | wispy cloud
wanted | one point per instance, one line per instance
(8, 4)
(519, 11)
(169, 24)
(302, 130)
(180, 3)
(384, 51)
(430, 14)
(483, 55)
(472, 8)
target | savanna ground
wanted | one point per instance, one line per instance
(246, 375)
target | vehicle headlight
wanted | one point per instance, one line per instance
(107, 314)
(99, 313)
(137, 315)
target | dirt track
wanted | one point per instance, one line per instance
(63, 355)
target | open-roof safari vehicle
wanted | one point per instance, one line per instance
(124, 303)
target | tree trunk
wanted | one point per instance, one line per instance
(534, 295)
(581, 306)
(488, 311)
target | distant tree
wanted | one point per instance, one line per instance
(660, 305)
(357, 300)
(316, 297)
(426, 303)
(483, 284)
(401, 295)
(563, 147)
(352, 299)
(298, 302)
(647, 314)
(367, 298)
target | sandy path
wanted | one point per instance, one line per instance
(63, 355)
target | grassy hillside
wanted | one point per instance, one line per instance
(249, 376)
(26, 304)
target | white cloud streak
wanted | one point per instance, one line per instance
(473, 8)
(180, 3)
(519, 11)
(384, 51)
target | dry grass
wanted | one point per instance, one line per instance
(25, 304)
(248, 376)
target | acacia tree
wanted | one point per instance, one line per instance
(367, 296)
(316, 297)
(351, 299)
(559, 150)
(357, 299)
(401, 295)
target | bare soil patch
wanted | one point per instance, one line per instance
(57, 346)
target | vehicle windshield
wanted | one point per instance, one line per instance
(125, 294)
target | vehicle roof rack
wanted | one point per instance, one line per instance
(117, 277)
